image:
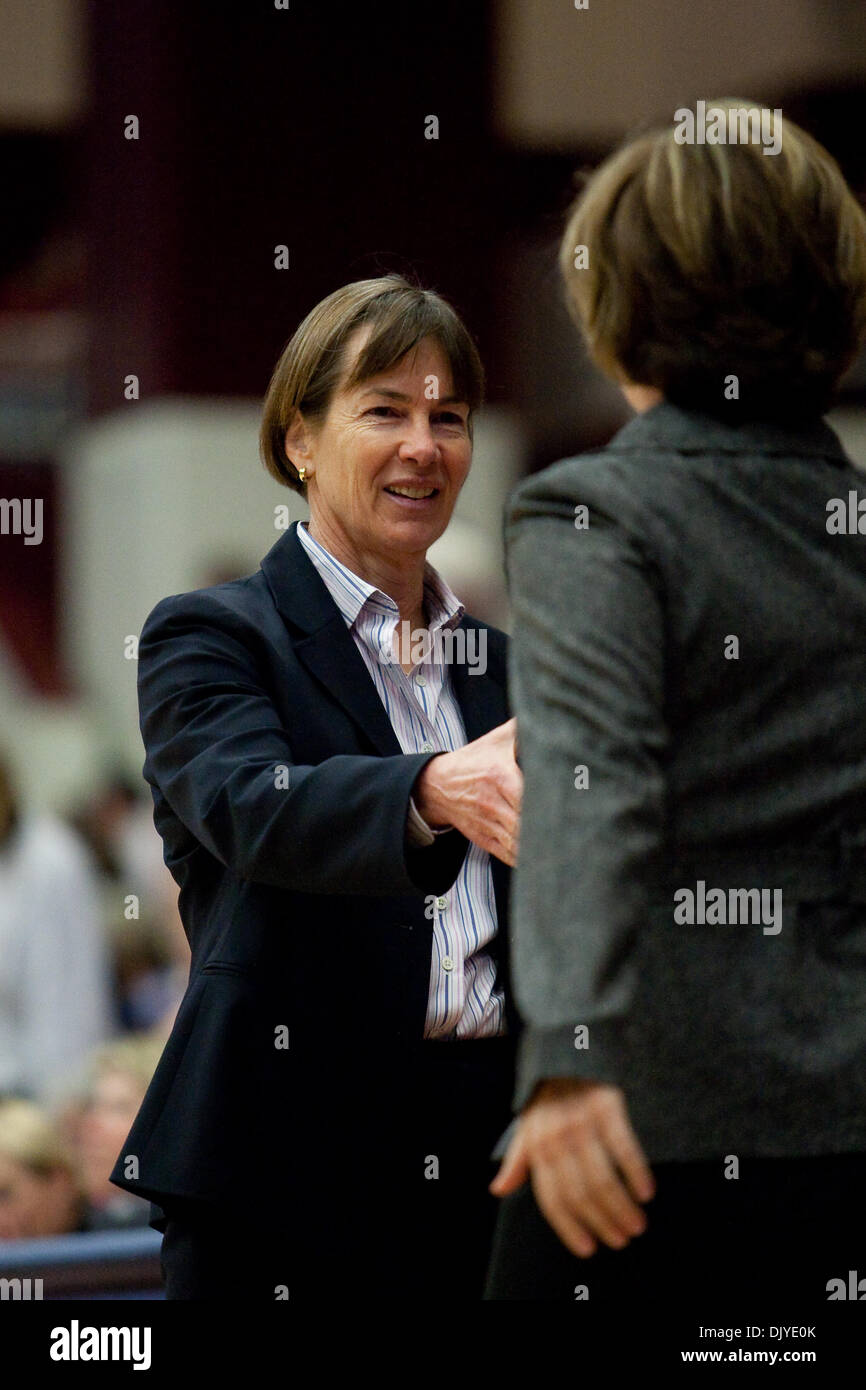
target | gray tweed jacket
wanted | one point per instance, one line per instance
(688, 669)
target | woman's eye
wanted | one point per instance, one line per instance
(389, 412)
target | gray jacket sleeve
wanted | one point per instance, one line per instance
(587, 677)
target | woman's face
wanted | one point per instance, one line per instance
(32, 1205)
(400, 430)
(104, 1124)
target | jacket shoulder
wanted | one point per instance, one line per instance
(650, 498)
(623, 484)
(237, 603)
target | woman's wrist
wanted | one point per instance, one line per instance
(429, 794)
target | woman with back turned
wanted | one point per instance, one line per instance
(688, 669)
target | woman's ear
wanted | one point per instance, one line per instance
(298, 441)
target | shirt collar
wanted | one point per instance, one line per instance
(354, 595)
(668, 426)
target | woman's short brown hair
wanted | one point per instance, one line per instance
(709, 260)
(311, 365)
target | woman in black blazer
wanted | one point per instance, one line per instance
(333, 775)
(689, 661)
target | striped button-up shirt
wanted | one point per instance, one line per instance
(425, 716)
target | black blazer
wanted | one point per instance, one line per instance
(281, 795)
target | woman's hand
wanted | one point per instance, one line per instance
(478, 790)
(587, 1168)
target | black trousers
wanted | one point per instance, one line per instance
(772, 1237)
(395, 1207)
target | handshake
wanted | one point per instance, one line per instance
(477, 789)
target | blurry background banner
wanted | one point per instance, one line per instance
(181, 184)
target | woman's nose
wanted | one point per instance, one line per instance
(419, 443)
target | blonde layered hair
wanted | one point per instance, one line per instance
(706, 260)
(29, 1136)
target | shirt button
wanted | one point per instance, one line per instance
(441, 902)
(426, 747)
(420, 680)
(447, 963)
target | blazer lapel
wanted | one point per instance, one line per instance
(323, 642)
(482, 698)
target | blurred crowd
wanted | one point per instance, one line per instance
(93, 964)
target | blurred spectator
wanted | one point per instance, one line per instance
(41, 1193)
(118, 1076)
(100, 819)
(149, 947)
(55, 988)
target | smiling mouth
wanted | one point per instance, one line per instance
(416, 494)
